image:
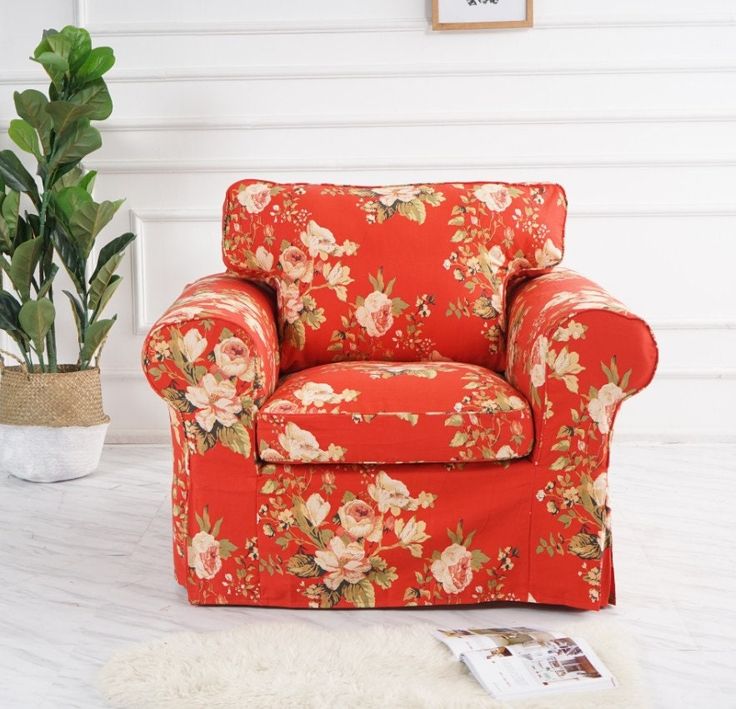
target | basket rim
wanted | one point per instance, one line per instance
(65, 370)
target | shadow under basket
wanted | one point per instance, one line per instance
(52, 425)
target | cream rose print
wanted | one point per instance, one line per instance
(302, 267)
(296, 444)
(550, 362)
(255, 197)
(577, 496)
(408, 201)
(484, 253)
(369, 318)
(473, 442)
(305, 269)
(314, 396)
(215, 402)
(338, 545)
(448, 573)
(214, 407)
(205, 552)
(375, 314)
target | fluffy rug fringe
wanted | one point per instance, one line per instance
(301, 665)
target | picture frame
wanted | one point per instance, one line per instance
(482, 14)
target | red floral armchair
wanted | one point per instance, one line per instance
(394, 398)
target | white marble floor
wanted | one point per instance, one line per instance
(87, 569)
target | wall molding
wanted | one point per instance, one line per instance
(692, 374)
(301, 72)
(140, 218)
(145, 124)
(125, 166)
(80, 12)
(141, 321)
(369, 25)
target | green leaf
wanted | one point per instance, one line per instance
(36, 318)
(102, 279)
(24, 136)
(303, 566)
(226, 547)
(9, 211)
(94, 339)
(64, 115)
(454, 420)
(55, 65)
(177, 400)
(9, 309)
(78, 312)
(99, 61)
(459, 439)
(236, 438)
(31, 107)
(87, 221)
(104, 298)
(413, 210)
(112, 248)
(95, 99)
(24, 261)
(58, 43)
(78, 142)
(361, 594)
(70, 200)
(17, 177)
(70, 256)
(80, 46)
(84, 217)
(46, 285)
(88, 181)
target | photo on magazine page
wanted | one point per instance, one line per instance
(554, 665)
(461, 640)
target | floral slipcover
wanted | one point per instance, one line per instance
(399, 273)
(487, 523)
(384, 412)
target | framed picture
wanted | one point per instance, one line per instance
(481, 14)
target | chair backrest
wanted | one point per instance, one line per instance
(401, 273)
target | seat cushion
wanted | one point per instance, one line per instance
(381, 412)
(400, 273)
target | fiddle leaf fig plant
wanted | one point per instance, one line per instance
(62, 221)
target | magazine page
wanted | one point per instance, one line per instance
(536, 668)
(461, 640)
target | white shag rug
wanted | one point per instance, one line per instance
(301, 665)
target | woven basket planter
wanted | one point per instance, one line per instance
(52, 426)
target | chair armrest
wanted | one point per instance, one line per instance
(213, 357)
(576, 353)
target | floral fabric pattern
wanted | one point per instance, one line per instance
(429, 411)
(516, 506)
(576, 353)
(393, 273)
(362, 538)
(212, 358)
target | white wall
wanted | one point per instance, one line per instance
(630, 105)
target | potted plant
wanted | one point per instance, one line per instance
(52, 424)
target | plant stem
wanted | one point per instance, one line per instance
(45, 259)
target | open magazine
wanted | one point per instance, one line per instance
(513, 663)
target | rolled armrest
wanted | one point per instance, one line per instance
(576, 353)
(213, 356)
